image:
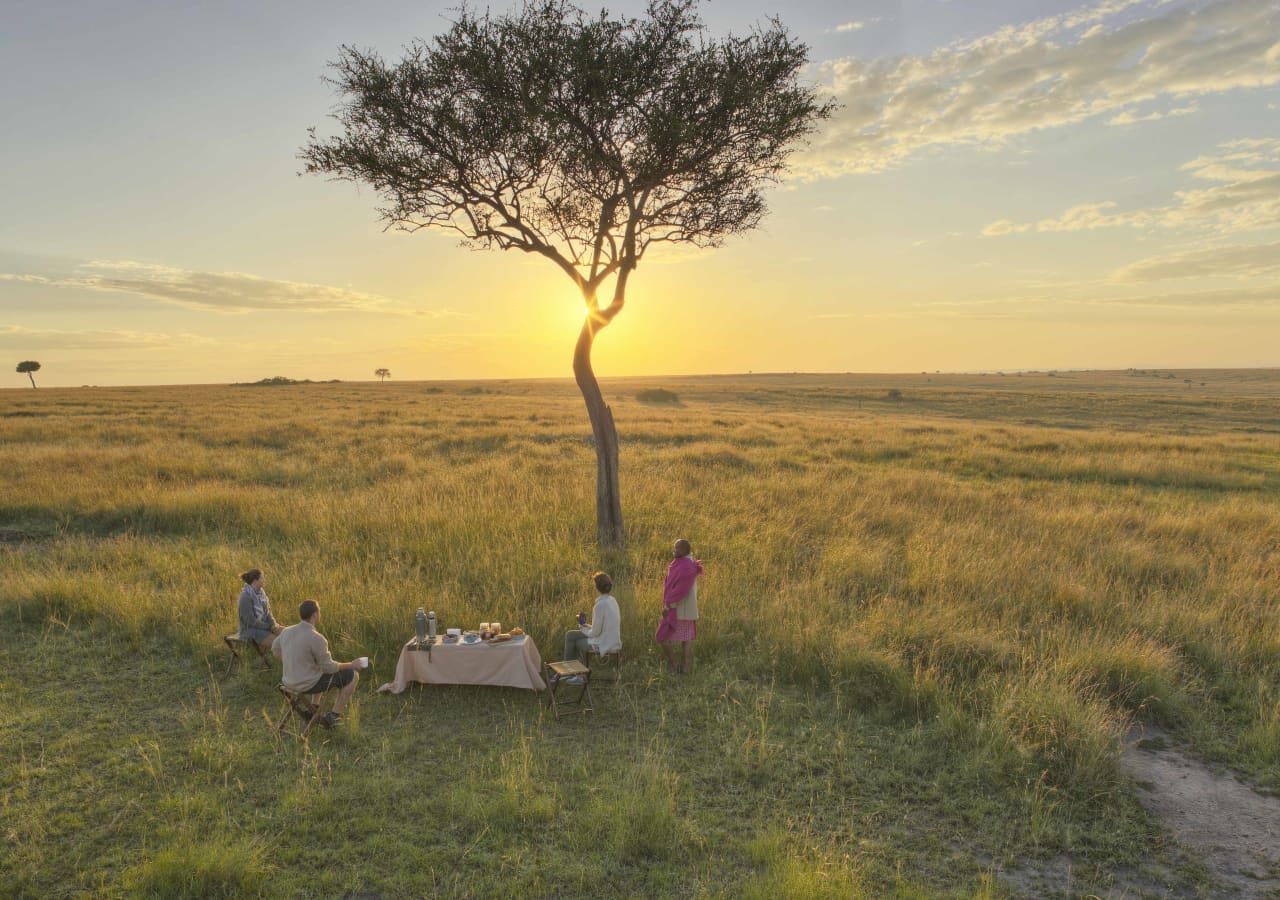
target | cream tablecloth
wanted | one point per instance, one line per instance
(513, 663)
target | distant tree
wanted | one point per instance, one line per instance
(580, 138)
(384, 374)
(26, 367)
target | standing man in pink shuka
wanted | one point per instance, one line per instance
(679, 623)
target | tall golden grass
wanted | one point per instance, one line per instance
(1038, 561)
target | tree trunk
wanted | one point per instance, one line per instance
(33, 380)
(609, 530)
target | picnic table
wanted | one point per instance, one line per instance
(514, 663)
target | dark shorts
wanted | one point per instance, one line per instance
(329, 681)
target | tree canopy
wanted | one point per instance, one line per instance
(585, 139)
(27, 367)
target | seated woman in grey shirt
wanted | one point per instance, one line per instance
(256, 623)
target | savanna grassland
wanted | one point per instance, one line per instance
(933, 606)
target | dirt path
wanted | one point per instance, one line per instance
(1230, 827)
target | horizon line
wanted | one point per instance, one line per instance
(615, 378)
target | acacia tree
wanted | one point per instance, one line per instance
(26, 367)
(584, 139)
(384, 374)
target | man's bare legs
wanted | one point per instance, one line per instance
(671, 657)
(345, 693)
(688, 657)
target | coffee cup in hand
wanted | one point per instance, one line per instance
(362, 662)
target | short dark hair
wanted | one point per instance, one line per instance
(604, 584)
(251, 576)
(307, 609)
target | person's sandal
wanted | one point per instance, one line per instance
(330, 719)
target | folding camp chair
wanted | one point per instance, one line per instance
(234, 642)
(599, 662)
(568, 674)
(297, 704)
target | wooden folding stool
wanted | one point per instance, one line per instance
(602, 663)
(234, 642)
(298, 704)
(571, 673)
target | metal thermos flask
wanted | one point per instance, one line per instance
(431, 624)
(422, 624)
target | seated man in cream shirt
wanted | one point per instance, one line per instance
(308, 667)
(604, 634)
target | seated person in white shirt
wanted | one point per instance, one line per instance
(604, 634)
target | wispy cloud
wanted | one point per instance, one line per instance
(1132, 117)
(1104, 60)
(1078, 218)
(19, 337)
(1235, 261)
(1267, 297)
(1085, 302)
(228, 292)
(1243, 195)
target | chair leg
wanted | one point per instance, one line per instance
(235, 656)
(262, 655)
(601, 664)
(288, 711)
(582, 702)
(553, 681)
(297, 704)
(310, 723)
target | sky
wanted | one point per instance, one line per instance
(1029, 184)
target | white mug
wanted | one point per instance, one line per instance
(362, 662)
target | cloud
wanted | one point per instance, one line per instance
(231, 292)
(1077, 218)
(17, 337)
(1243, 298)
(1088, 302)
(1100, 61)
(24, 279)
(1243, 195)
(850, 26)
(444, 312)
(1004, 226)
(1236, 261)
(1129, 117)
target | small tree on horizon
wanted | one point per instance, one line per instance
(27, 367)
(384, 374)
(584, 139)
